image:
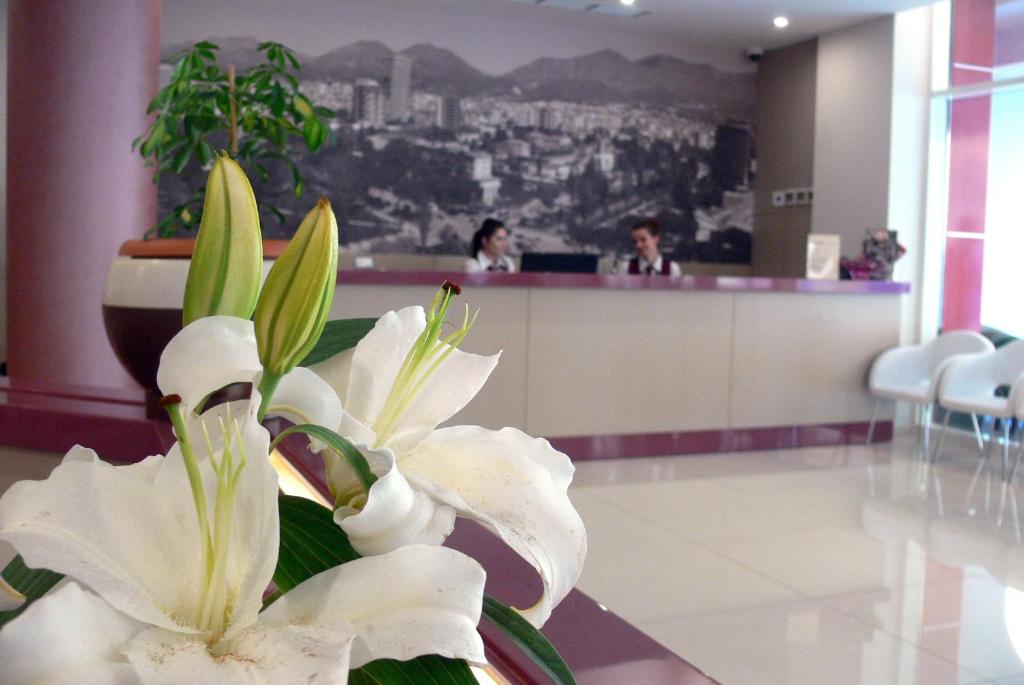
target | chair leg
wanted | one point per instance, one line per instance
(977, 433)
(974, 481)
(874, 419)
(1006, 448)
(942, 436)
(927, 419)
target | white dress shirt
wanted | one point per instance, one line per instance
(485, 263)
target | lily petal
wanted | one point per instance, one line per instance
(335, 371)
(516, 485)
(205, 356)
(394, 514)
(375, 365)
(312, 654)
(113, 530)
(376, 361)
(68, 636)
(304, 397)
(414, 601)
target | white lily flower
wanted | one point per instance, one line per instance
(215, 351)
(396, 386)
(170, 559)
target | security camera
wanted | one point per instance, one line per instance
(754, 54)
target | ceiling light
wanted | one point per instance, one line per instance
(780, 22)
(627, 3)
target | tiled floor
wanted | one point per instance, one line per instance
(825, 565)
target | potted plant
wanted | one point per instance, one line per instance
(259, 116)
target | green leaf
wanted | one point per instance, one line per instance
(355, 458)
(338, 336)
(426, 670)
(315, 133)
(311, 542)
(181, 159)
(303, 107)
(33, 583)
(529, 639)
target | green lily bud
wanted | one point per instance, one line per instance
(227, 263)
(298, 292)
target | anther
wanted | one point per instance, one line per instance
(168, 400)
(452, 286)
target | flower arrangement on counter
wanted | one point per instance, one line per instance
(193, 567)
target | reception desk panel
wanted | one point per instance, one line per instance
(686, 364)
(619, 361)
(804, 359)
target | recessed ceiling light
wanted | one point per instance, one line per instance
(780, 22)
(627, 3)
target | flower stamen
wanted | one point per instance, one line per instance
(423, 360)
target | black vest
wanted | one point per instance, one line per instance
(666, 266)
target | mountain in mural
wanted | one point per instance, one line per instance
(364, 59)
(607, 76)
(601, 77)
(442, 71)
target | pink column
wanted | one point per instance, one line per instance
(970, 122)
(80, 77)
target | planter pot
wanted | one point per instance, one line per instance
(142, 302)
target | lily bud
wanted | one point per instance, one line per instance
(227, 263)
(298, 292)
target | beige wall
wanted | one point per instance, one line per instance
(853, 118)
(786, 84)
(595, 361)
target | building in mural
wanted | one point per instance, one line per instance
(567, 151)
(401, 88)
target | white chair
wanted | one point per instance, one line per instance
(911, 373)
(969, 385)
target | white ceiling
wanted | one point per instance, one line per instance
(738, 24)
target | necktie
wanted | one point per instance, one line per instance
(650, 270)
(497, 267)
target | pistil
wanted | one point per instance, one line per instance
(423, 359)
(216, 600)
(172, 405)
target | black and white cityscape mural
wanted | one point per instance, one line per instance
(567, 150)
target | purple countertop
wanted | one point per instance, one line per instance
(623, 282)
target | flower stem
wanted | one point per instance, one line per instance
(267, 385)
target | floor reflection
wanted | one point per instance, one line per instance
(841, 565)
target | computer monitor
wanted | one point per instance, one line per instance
(565, 262)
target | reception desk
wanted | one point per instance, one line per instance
(627, 365)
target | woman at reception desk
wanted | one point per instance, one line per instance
(490, 243)
(615, 365)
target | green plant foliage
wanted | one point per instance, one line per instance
(348, 451)
(529, 639)
(31, 582)
(193, 117)
(311, 543)
(338, 336)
